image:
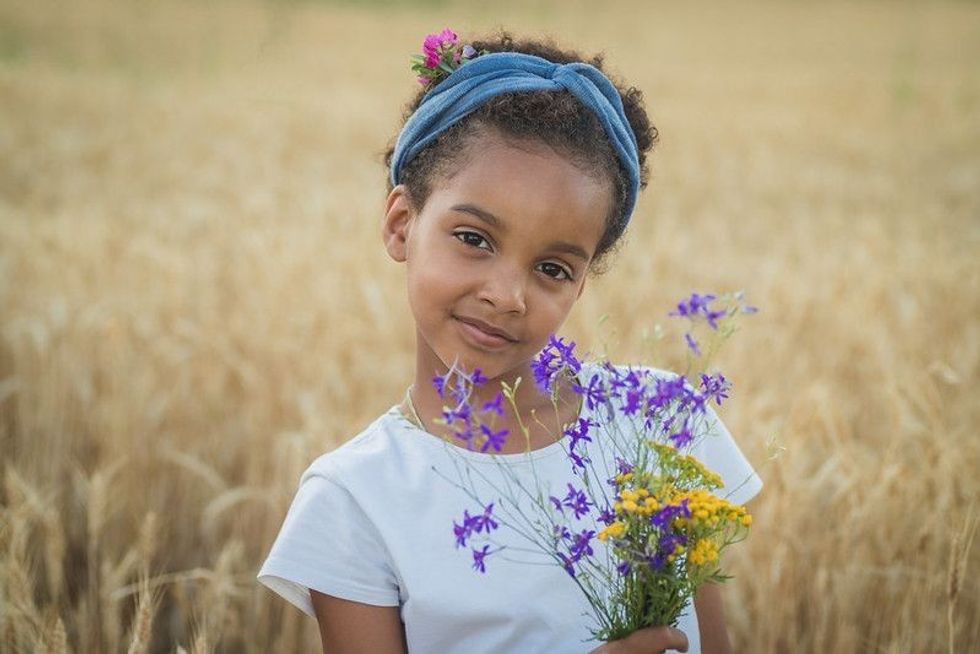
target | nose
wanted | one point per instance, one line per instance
(505, 289)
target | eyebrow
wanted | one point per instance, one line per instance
(493, 221)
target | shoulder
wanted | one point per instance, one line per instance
(370, 450)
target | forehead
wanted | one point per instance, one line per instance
(533, 190)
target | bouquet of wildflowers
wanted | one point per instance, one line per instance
(642, 498)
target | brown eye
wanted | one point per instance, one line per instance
(472, 239)
(555, 271)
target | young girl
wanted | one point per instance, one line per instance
(514, 176)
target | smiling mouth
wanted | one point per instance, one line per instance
(483, 335)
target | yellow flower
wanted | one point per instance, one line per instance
(704, 551)
(615, 530)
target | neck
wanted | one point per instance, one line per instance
(531, 408)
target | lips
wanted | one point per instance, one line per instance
(485, 333)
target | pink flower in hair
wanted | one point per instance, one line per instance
(435, 44)
(442, 53)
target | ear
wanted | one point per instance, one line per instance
(397, 223)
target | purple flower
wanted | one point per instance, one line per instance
(634, 399)
(439, 381)
(579, 432)
(594, 393)
(460, 391)
(463, 531)
(697, 306)
(665, 547)
(567, 563)
(494, 439)
(544, 368)
(463, 431)
(469, 51)
(478, 378)
(556, 502)
(623, 466)
(478, 558)
(692, 306)
(460, 413)
(711, 316)
(474, 524)
(667, 390)
(485, 520)
(551, 360)
(562, 533)
(576, 501)
(616, 378)
(496, 404)
(682, 438)
(662, 518)
(692, 344)
(578, 462)
(716, 387)
(581, 545)
(695, 402)
(624, 568)
(607, 517)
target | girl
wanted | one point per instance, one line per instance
(513, 178)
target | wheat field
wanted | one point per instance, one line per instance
(194, 302)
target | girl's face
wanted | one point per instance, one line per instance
(498, 255)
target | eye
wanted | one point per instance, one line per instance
(556, 271)
(472, 239)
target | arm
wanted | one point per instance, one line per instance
(354, 628)
(711, 620)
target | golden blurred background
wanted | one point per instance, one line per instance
(195, 302)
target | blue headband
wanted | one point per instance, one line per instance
(489, 75)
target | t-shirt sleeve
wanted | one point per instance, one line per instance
(719, 452)
(328, 544)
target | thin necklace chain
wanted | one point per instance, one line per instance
(412, 414)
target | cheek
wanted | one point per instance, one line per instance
(431, 286)
(551, 312)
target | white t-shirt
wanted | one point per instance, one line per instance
(372, 522)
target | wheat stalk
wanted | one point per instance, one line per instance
(959, 551)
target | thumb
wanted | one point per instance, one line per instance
(655, 639)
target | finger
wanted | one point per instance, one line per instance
(655, 639)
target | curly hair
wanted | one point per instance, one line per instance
(554, 118)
